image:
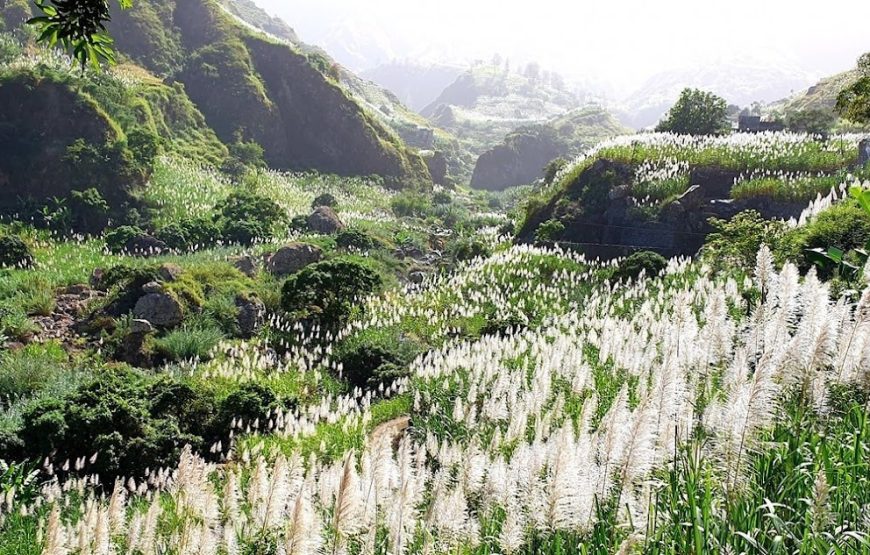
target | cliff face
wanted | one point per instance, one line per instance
(56, 140)
(521, 157)
(264, 90)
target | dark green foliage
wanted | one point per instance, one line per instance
(649, 263)
(189, 234)
(80, 26)
(89, 211)
(145, 146)
(325, 293)
(243, 157)
(551, 230)
(552, 169)
(132, 422)
(355, 239)
(371, 361)
(735, 243)
(469, 249)
(696, 112)
(248, 216)
(14, 252)
(845, 227)
(249, 402)
(853, 102)
(325, 199)
(299, 224)
(118, 238)
(441, 198)
(410, 205)
(814, 121)
(125, 286)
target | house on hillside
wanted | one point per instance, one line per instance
(754, 124)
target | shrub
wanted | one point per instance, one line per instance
(551, 230)
(734, 243)
(189, 234)
(649, 263)
(325, 293)
(299, 224)
(368, 362)
(89, 211)
(117, 239)
(410, 205)
(552, 169)
(249, 402)
(469, 249)
(442, 197)
(14, 252)
(696, 113)
(325, 199)
(130, 421)
(244, 232)
(355, 239)
(144, 145)
(247, 216)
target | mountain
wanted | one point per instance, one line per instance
(521, 157)
(252, 86)
(487, 102)
(250, 13)
(416, 85)
(740, 83)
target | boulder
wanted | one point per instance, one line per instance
(863, 153)
(152, 287)
(252, 316)
(245, 264)
(145, 245)
(324, 220)
(437, 164)
(292, 258)
(159, 309)
(417, 277)
(141, 327)
(169, 272)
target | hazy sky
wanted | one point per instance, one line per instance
(620, 41)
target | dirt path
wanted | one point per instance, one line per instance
(393, 431)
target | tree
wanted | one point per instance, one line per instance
(696, 112)
(853, 102)
(813, 121)
(79, 26)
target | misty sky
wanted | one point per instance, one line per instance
(621, 42)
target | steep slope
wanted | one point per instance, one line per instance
(252, 14)
(254, 87)
(487, 102)
(416, 85)
(521, 157)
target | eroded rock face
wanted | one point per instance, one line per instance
(160, 309)
(252, 316)
(324, 220)
(245, 264)
(519, 161)
(292, 258)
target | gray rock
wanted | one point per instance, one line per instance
(863, 153)
(417, 277)
(78, 290)
(324, 220)
(96, 279)
(141, 327)
(160, 310)
(170, 272)
(152, 287)
(245, 264)
(292, 258)
(252, 315)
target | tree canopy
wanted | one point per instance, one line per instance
(853, 102)
(79, 26)
(696, 112)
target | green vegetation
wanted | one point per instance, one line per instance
(853, 102)
(696, 113)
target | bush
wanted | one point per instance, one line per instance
(469, 249)
(410, 205)
(552, 169)
(130, 421)
(326, 199)
(696, 113)
(299, 224)
(551, 230)
(326, 292)
(735, 243)
(145, 146)
(14, 253)
(844, 226)
(247, 216)
(189, 234)
(89, 211)
(369, 362)
(442, 197)
(117, 239)
(354, 239)
(649, 263)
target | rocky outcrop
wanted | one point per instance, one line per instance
(252, 316)
(159, 309)
(519, 160)
(603, 220)
(292, 258)
(54, 140)
(325, 220)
